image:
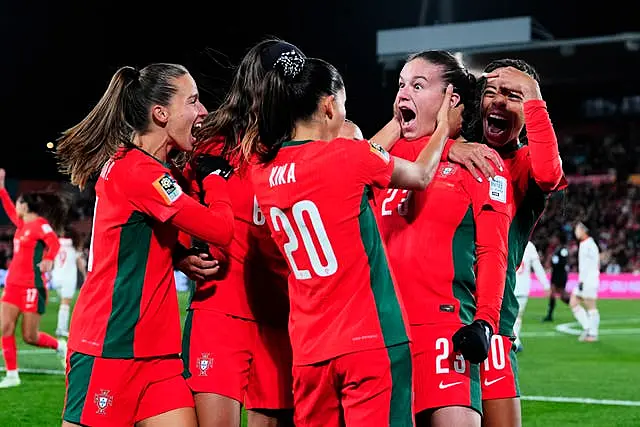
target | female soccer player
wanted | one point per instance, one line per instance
(352, 363)
(246, 358)
(512, 113)
(435, 239)
(124, 367)
(35, 245)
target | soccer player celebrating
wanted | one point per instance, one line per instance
(588, 283)
(512, 108)
(530, 260)
(351, 359)
(236, 344)
(35, 246)
(435, 239)
(124, 366)
(64, 275)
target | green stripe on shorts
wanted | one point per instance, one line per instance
(475, 387)
(81, 366)
(186, 344)
(514, 369)
(401, 405)
(42, 300)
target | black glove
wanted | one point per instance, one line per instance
(205, 165)
(473, 341)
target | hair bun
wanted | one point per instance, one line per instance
(290, 63)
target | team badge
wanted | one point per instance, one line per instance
(204, 363)
(103, 401)
(168, 188)
(498, 189)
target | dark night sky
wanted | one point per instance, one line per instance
(57, 56)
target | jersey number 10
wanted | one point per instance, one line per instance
(282, 223)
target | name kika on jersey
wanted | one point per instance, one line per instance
(283, 174)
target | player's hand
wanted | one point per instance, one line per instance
(199, 267)
(205, 165)
(46, 265)
(443, 118)
(515, 80)
(3, 174)
(473, 341)
(478, 159)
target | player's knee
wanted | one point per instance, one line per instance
(8, 329)
(30, 337)
(65, 301)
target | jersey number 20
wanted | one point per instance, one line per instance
(281, 222)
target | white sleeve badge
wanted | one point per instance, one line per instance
(168, 188)
(46, 229)
(498, 189)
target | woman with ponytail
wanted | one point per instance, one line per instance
(123, 365)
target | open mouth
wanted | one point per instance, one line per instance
(496, 124)
(195, 128)
(407, 115)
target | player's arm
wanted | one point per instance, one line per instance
(417, 175)
(81, 263)
(538, 269)
(7, 203)
(213, 222)
(492, 230)
(546, 165)
(388, 135)
(52, 244)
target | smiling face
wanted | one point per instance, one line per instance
(420, 93)
(184, 114)
(502, 113)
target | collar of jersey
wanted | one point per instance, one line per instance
(295, 143)
(165, 164)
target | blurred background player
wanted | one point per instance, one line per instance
(69, 263)
(584, 295)
(35, 246)
(530, 260)
(559, 274)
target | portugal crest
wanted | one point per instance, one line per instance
(102, 401)
(204, 363)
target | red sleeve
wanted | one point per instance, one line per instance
(9, 207)
(493, 210)
(51, 241)
(546, 165)
(153, 191)
(214, 223)
(492, 230)
(374, 165)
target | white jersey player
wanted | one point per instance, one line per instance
(586, 292)
(64, 277)
(530, 260)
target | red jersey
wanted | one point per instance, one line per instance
(536, 171)
(33, 242)
(128, 306)
(315, 195)
(436, 236)
(254, 286)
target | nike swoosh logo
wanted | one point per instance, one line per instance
(445, 386)
(488, 383)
